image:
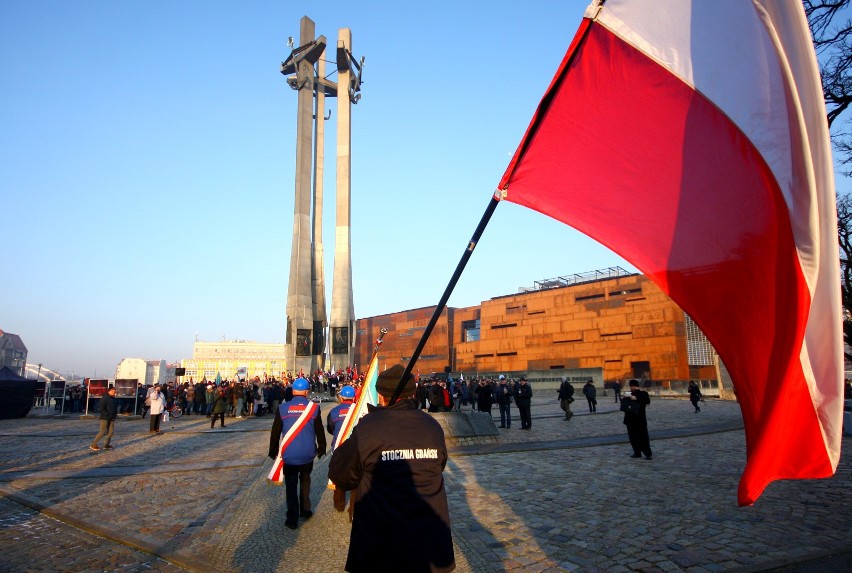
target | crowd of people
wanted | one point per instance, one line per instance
(480, 394)
(392, 462)
(241, 397)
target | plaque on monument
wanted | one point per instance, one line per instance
(303, 342)
(340, 340)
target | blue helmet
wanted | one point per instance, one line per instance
(301, 384)
(347, 392)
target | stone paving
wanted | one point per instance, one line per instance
(564, 496)
(31, 541)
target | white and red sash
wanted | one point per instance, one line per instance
(276, 474)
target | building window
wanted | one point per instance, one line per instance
(699, 351)
(470, 330)
(588, 297)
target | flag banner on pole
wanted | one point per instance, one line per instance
(692, 140)
(367, 394)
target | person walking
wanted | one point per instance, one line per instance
(220, 407)
(694, 395)
(158, 406)
(633, 407)
(297, 436)
(523, 398)
(566, 397)
(107, 413)
(333, 424)
(394, 461)
(590, 392)
(616, 389)
(503, 396)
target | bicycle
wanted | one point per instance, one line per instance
(174, 412)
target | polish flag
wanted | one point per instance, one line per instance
(691, 138)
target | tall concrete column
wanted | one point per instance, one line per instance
(342, 321)
(300, 307)
(318, 278)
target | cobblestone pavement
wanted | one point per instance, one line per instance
(31, 541)
(564, 496)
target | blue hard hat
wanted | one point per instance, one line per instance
(347, 392)
(301, 384)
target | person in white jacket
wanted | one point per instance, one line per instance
(158, 406)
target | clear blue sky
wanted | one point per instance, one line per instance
(147, 157)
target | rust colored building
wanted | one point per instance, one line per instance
(625, 325)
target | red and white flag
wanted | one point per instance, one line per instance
(691, 138)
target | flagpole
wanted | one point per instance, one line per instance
(492, 205)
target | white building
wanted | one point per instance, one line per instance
(148, 372)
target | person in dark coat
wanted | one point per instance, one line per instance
(436, 397)
(394, 461)
(220, 407)
(566, 397)
(694, 395)
(591, 393)
(503, 395)
(523, 398)
(633, 407)
(484, 397)
(107, 413)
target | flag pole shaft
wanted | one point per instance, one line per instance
(382, 332)
(492, 205)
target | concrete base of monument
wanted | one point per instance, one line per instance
(467, 428)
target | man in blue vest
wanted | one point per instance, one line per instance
(297, 434)
(334, 423)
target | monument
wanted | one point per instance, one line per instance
(342, 305)
(306, 340)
